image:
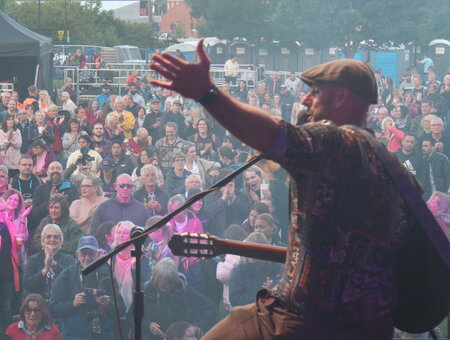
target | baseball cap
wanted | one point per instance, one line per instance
(353, 74)
(107, 163)
(87, 242)
(177, 102)
(155, 100)
(105, 86)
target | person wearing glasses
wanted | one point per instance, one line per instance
(25, 182)
(83, 209)
(43, 268)
(121, 207)
(35, 321)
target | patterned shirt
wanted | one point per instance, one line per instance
(347, 222)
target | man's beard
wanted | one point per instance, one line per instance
(55, 178)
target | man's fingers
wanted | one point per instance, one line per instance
(166, 63)
(162, 84)
(204, 59)
(162, 71)
(173, 59)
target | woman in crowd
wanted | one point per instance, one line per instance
(105, 235)
(140, 120)
(146, 156)
(256, 184)
(169, 298)
(265, 224)
(17, 212)
(186, 221)
(39, 130)
(400, 116)
(196, 165)
(10, 248)
(159, 239)
(392, 134)
(124, 263)
(181, 330)
(231, 261)
(411, 104)
(126, 118)
(94, 113)
(388, 92)
(257, 209)
(192, 182)
(10, 144)
(113, 131)
(439, 205)
(58, 213)
(205, 142)
(44, 101)
(83, 209)
(43, 268)
(204, 215)
(251, 275)
(242, 91)
(70, 138)
(42, 156)
(35, 321)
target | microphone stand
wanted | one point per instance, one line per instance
(138, 294)
(138, 239)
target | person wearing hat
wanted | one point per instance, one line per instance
(108, 176)
(84, 303)
(345, 206)
(152, 120)
(176, 116)
(104, 97)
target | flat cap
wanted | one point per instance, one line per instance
(353, 74)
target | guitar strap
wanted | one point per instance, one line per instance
(437, 241)
(412, 196)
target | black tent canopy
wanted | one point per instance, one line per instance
(23, 55)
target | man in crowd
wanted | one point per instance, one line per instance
(32, 98)
(167, 146)
(122, 207)
(130, 105)
(175, 115)
(407, 155)
(231, 69)
(137, 98)
(103, 98)
(99, 143)
(139, 142)
(55, 185)
(25, 182)
(10, 111)
(23, 125)
(434, 171)
(415, 125)
(67, 103)
(287, 100)
(176, 175)
(152, 120)
(293, 84)
(6, 96)
(150, 194)
(333, 234)
(441, 138)
(84, 303)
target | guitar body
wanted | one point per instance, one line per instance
(423, 285)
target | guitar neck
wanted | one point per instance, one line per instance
(254, 250)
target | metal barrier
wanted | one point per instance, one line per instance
(6, 87)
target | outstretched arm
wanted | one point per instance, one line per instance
(251, 125)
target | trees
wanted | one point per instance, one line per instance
(88, 24)
(322, 23)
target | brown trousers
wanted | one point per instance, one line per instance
(266, 320)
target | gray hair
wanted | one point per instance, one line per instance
(176, 199)
(4, 169)
(51, 227)
(165, 272)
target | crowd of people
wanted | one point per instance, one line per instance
(75, 180)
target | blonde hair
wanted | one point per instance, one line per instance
(109, 118)
(255, 237)
(192, 177)
(127, 224)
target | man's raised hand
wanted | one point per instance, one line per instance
(191, 80)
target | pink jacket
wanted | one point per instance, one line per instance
(12, 227)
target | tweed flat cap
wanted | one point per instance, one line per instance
(353, 74)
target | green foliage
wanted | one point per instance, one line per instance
(324, 23)
(180, 31)
(88, 24)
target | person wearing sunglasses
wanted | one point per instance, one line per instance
(121, 207)
(35, 321)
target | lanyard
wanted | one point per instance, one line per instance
(20, 185)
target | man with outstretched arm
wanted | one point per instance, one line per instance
(347, 218)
